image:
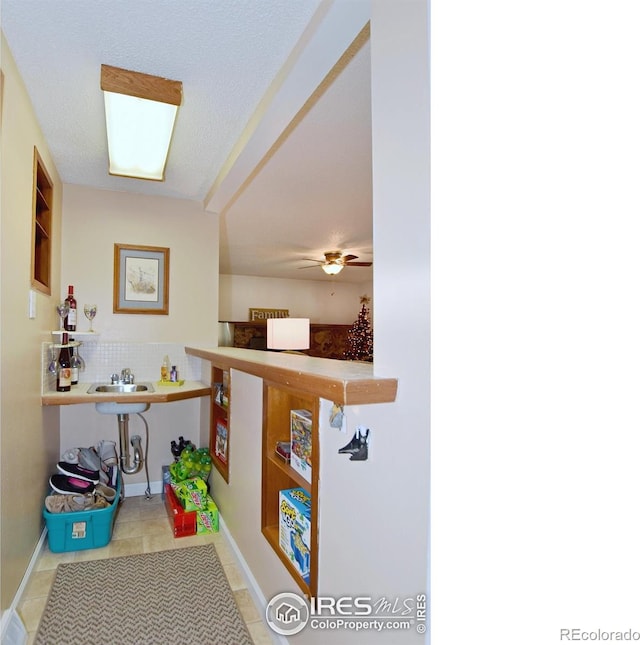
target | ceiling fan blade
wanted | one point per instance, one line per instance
(348, 258)
(311, 266)
(313, 260)
(358, 264)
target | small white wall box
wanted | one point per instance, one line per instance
(295, 528)
(301, 442)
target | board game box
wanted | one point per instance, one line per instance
(301, 442)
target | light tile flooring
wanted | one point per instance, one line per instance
(141, 526)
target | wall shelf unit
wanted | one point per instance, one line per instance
(41, 226)
(277, 475)
(295, 382)
(219, 429)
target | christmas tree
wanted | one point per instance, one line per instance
(360, 336)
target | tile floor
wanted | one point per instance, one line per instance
(141, 526)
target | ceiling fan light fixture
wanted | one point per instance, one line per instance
(140, 112)
(332, 268)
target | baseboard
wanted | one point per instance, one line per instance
(12, 630)
(135, 490)
(252, 583)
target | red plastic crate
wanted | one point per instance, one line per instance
(183, 522)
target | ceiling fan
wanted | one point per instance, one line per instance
(334, 262)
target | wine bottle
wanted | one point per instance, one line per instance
(74, 362)
(72, 317)
(63, 378)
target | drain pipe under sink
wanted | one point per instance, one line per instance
(138, 453)
(138, 458)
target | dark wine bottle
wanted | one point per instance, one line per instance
(72, 317)
(74, 362)
(63, 378)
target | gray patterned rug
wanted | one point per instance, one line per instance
(178, 596)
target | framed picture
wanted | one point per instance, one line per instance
(140, 279)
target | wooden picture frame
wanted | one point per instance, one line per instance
(140, 279)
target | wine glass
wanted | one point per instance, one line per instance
(90, 312)
(77, 360)
(53, 360)
(63, 310)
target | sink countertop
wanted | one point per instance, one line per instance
(161, 394)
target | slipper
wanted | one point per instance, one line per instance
(107, 452)
(74, 470)
(66, 485)
(88, 458)
(71, 456)
(56, 503)
(105, 491)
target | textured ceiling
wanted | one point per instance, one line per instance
(315, 192)
(313, 195)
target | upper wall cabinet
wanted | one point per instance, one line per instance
(41, 226)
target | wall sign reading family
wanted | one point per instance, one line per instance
(140, 279)
(264, 314)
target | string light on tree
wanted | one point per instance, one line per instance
(359, 345)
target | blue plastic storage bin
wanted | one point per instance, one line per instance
(81, 529)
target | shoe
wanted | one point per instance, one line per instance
(74, 470)
(70, 485)
(71, 456)
(99, 502)
(88, 458)
(68, 503)
(105, 492)
(107, 452)
(56, 503)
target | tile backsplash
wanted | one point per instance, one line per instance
(144, 360)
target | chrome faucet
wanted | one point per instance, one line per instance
(125, 377)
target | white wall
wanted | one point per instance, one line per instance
(323, 301)
(374, 515)
(29, 433)
(93, 220)
(385, 552)
(240, 500)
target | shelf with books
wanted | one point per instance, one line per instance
(285, 487)
(219, 433)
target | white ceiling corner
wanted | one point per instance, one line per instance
(313, 195)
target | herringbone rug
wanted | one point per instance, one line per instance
(180, 596)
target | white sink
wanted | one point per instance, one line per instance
(112, 407)
(120, 388)
(117, 407)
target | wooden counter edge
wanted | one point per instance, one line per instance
(356, 391)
